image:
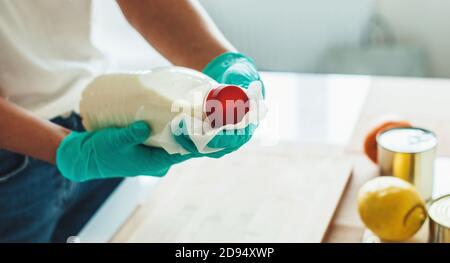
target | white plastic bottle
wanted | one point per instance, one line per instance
(158, 97)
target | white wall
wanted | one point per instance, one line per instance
(289, 35)
(283, 35)
(424, 22)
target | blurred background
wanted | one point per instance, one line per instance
(369, 37)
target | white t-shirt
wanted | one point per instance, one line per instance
(46, 54)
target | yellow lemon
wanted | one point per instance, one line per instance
(391, 208)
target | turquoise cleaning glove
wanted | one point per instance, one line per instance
(113, 152)
(233, 68)
(228, 68)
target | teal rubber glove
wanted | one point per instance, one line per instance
(228, 68)
(233, 68)
(113, 152)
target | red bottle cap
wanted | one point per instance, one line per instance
(233, 103)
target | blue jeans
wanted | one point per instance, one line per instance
(37, 204)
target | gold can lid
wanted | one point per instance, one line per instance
(439, 211)
(407, 140)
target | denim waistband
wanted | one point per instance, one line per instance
(70, 121)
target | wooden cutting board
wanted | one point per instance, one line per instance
(263, 194)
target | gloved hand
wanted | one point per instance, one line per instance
(233, 68)
(113, 152)
(228, 68)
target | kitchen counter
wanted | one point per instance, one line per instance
(325, 110)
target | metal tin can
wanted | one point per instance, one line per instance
(409, 153)
(439, 213)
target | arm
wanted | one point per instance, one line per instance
(113, 152)
(183, 33)
(179, 29)
(24, 133)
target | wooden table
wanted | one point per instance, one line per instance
(335, 111)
